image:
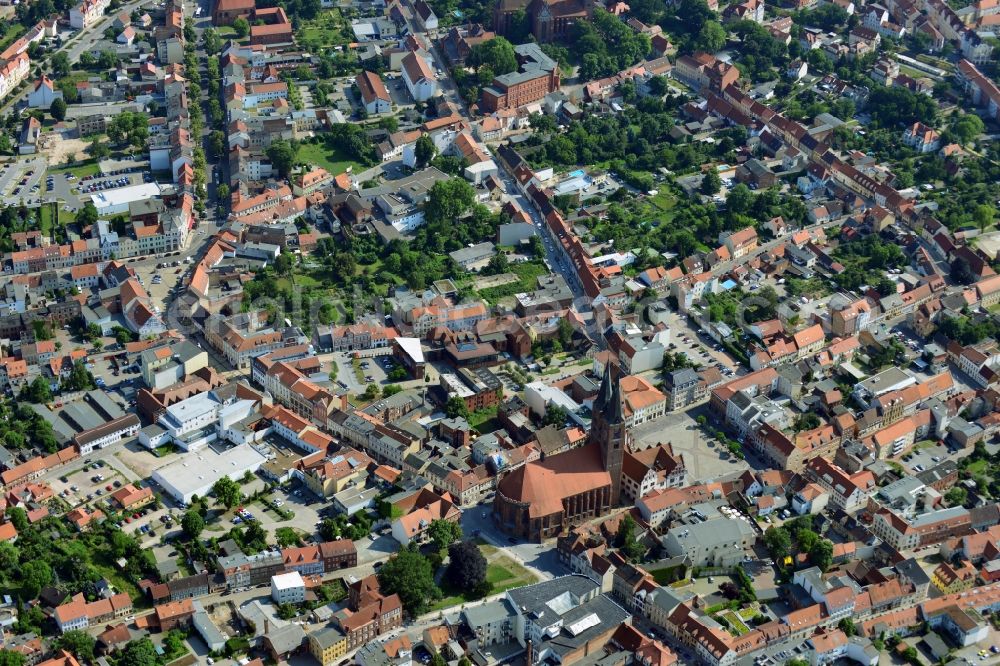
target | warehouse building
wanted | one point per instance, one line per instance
(196, 472)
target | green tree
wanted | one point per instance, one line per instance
(34, 576)
(555, 415)
(847, 624)
(284, 263)
(37, 391)
(287, 537)
(173, 644)
(821, 554)
(87, 215)
(139, 652)
(448, 200)
(443, 533)
(98, 149)
(739, 200)
(711, 183)
(217, 143)
(956, 496)
(78, 643)
(467, 568)
(456, 407)
(281, 153)
(58, 109)
(778, 542)
(806, 421)
(983, 215)
(18, 518)
(497, 54)
(410, 575)
(967, 128)
(711, 37)
(192, 523)
(11, 658)
(242, 27)
(79, 378)
(227, 492)
(424, 150)
(60, 65)
(9, 556)
(626, 541)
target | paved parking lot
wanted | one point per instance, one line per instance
(398, 92)
(88, 484)
(925, 458)
(697, 346)
(86, 187)
(12, 175)
(705, 459)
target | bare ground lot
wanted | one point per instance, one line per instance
(58, 149)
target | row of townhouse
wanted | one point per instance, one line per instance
(168, 235)
(240, 570)
(80, 614)
(87, 13)
(244, 336)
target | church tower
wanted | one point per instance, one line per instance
(607, 429)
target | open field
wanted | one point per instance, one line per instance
(328, 29)
(332, 160)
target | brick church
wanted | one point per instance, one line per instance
(540, 499)
(548, 20)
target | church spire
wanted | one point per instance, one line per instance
(604, 393)
(613, 410)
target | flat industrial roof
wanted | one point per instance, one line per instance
(125, 195)
(199, 469)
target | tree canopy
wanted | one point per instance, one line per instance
(467, 568)
(227, 492)
(410, 575)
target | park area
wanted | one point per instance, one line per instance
(327, 30)
(502, 572)
(332, 160)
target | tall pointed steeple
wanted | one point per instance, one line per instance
(604, 393)
(613, 410)
(608, 430)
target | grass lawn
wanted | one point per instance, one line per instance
(527, 273)
(225, 31)
(481, 416)
(504, 573)
(359, 372)
(736, 625)
(327, 29)
(664, 200)
(489, 425)
(164, 450)
(978, 467)
(13, 33)
(333, 161)
(88, 168)
(45, 221)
